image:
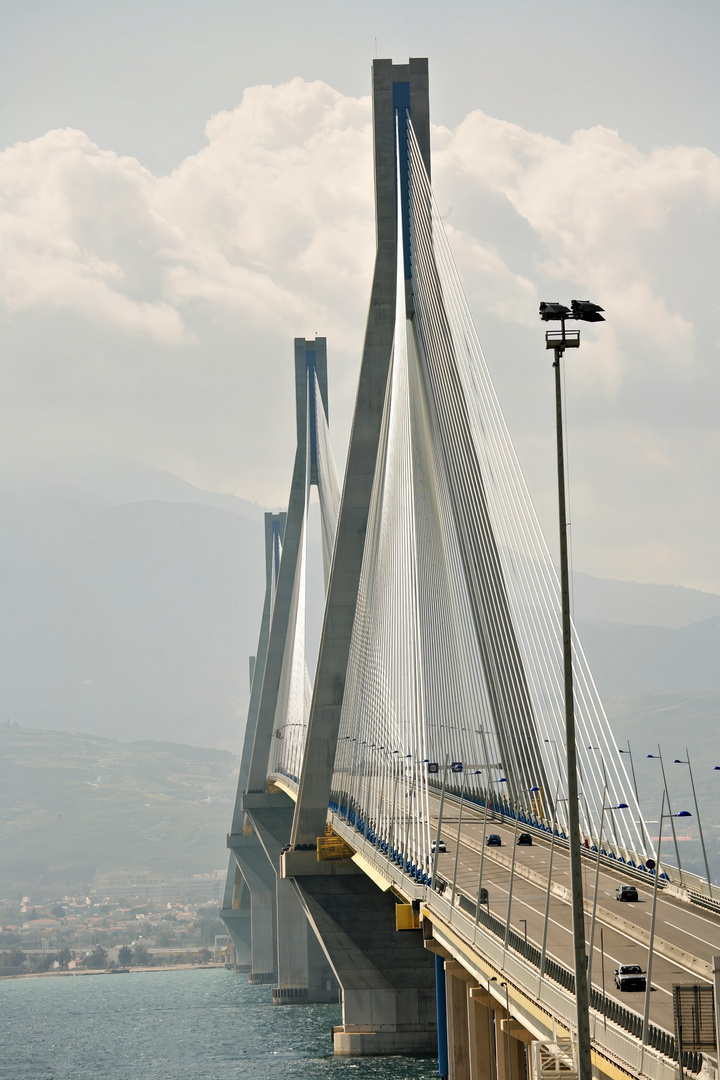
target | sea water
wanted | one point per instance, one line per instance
(205, 1024)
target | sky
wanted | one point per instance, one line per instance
(186, 187)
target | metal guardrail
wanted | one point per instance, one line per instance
(608, 1034)
(669, 876)
(630, 1021)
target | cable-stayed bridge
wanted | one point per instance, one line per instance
(359, 843)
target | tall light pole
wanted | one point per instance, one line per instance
(619, 806)
(502, 780)
(686, 761)
(659, 757)
(549, 884)
(532, 790)
(651, 945)
(632, 770)
(559, 341)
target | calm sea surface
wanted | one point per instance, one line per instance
(174, 1025)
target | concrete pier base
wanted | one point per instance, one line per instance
(480, 1040)
(304, 975)
(260, 879)
(458, 1032)
(386, 976)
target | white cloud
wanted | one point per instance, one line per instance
(591, 202)
(68, 213)
(189, 287)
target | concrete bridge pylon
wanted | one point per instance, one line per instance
(282, 948)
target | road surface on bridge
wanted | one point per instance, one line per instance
(693, 930)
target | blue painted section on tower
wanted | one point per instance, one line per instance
(443, 1067)
(311, 360)
(401, 105)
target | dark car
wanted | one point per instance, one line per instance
(525, 838)
(493, 840)
(630, 977)
(627, 893)
(484, 898)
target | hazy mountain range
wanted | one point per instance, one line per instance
(75, 807)
(130, 603)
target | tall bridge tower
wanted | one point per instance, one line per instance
(375, 803)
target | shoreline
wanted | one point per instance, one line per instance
(109, 971)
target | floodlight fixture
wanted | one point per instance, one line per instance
(582, 310)
(552, 311)
(587, 311)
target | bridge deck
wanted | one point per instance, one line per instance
(690, 930)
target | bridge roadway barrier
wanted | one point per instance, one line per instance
(604, 915)
(543, 1008)
(691, 890)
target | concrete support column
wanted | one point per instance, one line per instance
(511, 1059)
(503, 1056)
(262, 914)
(304, 975)
(480, 1021)
(456, 997)
(517, 1049)
(387, 977)
(260, 879)
(235, 913)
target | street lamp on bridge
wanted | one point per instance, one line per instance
(559, 341)
(656, 867)
(686, 761)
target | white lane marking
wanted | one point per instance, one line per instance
(616, 930)
(694, 914)
(568, 930)
(712, 944)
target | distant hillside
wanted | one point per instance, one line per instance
(130, 602)
(636, 660)
(129, 620)
(676, 722)
(73, 806)
(669, 606)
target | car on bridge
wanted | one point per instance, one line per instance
(630, 977)
(441, 847)
(628, 893)
(525, 838)
(493, 840)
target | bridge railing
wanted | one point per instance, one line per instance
(620, 1042)
(694, 885)
(630, 1021)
